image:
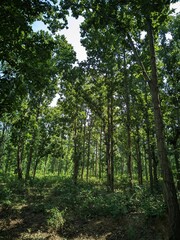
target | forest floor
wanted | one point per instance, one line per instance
(63, 212)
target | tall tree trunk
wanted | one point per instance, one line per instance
(138, 154)
(96, 160)
(128, 121)
(169, 186)
(100, 155)
(35, 167)
(155, 165)
(109, 142)
(145, 163)
(84, 150)
(19, 160)
(77, 149)
(89, 150)
(2, 143)
(31, 150)
(148, 141)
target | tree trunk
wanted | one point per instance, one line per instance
(169, 186)
(155, 164)
(28, 167)
(110, 145)
(96, 160)
(35, 167)
(89, 150)
(100, 155)
(138, 154)
(19, 160)
(77, 150)
(147, 129)
(84, 150)
(2, 143)
(128, 122)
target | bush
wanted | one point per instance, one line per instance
(154, 206)
(55, 219)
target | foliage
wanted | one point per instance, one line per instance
(55, 219)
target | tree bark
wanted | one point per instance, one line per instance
(109, 142)
(128, 121)
(19, 160)
(89, 150)
(147, 129)
(155, 165)
(138, 154)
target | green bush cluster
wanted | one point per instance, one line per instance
(55, 219)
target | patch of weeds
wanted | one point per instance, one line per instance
(101, 204)
(154, 206)
(5, 194)
(56, 219)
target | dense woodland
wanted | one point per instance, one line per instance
(116, 125)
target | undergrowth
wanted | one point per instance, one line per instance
(60, 200)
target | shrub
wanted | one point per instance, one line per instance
(56, 219)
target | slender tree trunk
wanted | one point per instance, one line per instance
(19, 160)
(100, 155)
(145, 163)
(84, 150)
(138, 154)
(169, 186)
(155, 165)
(35, 167)
(89, 151)
(147, 128)
(31, 150)
(2, 143)
(110, 145)
(96, 160)
(77, 149)
(75, 157)
(128, 121)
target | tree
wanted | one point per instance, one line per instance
(124, 16)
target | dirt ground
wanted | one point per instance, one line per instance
(23, 223)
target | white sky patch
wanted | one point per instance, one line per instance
(73, 36)
(54, 101)
(175, 6)
(39, 25)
